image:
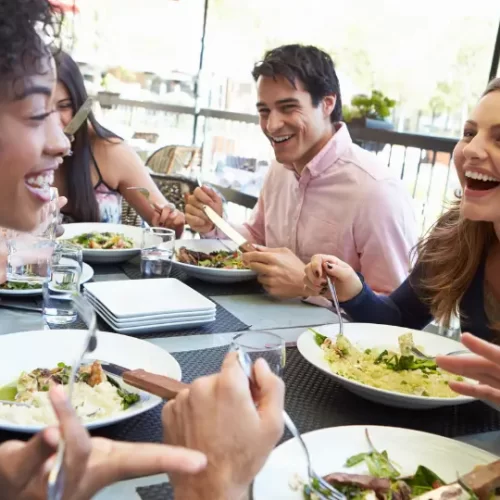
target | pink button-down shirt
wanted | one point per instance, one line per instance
(345, 203)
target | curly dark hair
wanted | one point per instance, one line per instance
(308, 64)
(27, 30)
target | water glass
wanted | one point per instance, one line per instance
(157, 251)
(49, 216)
(62, 285)
(265, 345)
(29, 258)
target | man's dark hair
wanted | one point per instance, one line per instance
(308, 64)
(22, 23)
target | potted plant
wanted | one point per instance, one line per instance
(369, 111)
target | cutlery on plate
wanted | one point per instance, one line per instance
(80, 116)
(420, 354)
(55, 483)
(13, 403)
(159, 385)
(328, 492)
(228, 230)
(333, 292)
(146, 195)
(19, 307)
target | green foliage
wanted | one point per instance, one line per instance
(377, 106)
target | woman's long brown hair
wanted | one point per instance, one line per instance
(450, 253)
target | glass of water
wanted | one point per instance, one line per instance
(29, 258)
(157, 252)
(265, 345)
(62, 285)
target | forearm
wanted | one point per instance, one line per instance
(200, 492)
(402, 308)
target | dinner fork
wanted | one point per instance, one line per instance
(333, 293)
(420, 354)
(146, 194)
(328, 491)
(55, 484)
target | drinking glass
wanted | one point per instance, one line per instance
(157, 252)
(29, 258)
(265, 345)
(62, 285)
(49, 216)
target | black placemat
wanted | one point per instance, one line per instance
(252, 287)
(161, 491)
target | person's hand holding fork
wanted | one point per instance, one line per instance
(90, 463)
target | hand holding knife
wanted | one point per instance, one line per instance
(229, 231)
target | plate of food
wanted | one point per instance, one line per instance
(30, 288)
(104, 243)
(101, 398)
(211, 260)
(376, 363)
(379, 463)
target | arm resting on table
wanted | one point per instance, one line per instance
(402, 308)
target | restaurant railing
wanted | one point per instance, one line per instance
(424, 163)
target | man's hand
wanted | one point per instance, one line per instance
(195, 216)
(236, 431)
(484, 367)
(279, 270)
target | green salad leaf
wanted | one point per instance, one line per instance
(318, 338)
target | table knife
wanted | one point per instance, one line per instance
(79, 118)
(228, 230)
(159, 385)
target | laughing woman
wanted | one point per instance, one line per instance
(102, 166)
(458, 265)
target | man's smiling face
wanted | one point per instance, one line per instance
(296, 128)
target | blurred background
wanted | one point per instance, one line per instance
(175, 75)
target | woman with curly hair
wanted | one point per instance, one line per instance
(96, 176)
(32, 146)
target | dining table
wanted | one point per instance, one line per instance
(313, 399)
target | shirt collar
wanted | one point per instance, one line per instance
(330, 153)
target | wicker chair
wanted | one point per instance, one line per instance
(129, 216)
(175, 188)
(170, 159)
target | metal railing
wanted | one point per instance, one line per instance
(424, 163)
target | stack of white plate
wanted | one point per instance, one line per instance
(144, 306)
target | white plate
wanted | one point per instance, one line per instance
(151, 321)
(138, 298)
(87, 275)
(367, 336)
(49, 347)
(148, 320)
(105, 256)
(210, 274)
(329, 449)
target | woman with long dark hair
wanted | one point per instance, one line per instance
(102, 165)
(457, 268)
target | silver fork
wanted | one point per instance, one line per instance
(146, 194)
(332, 493)
(333, 292)
(420, 354)
(55, 484)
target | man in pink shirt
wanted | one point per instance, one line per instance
(324, 194)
